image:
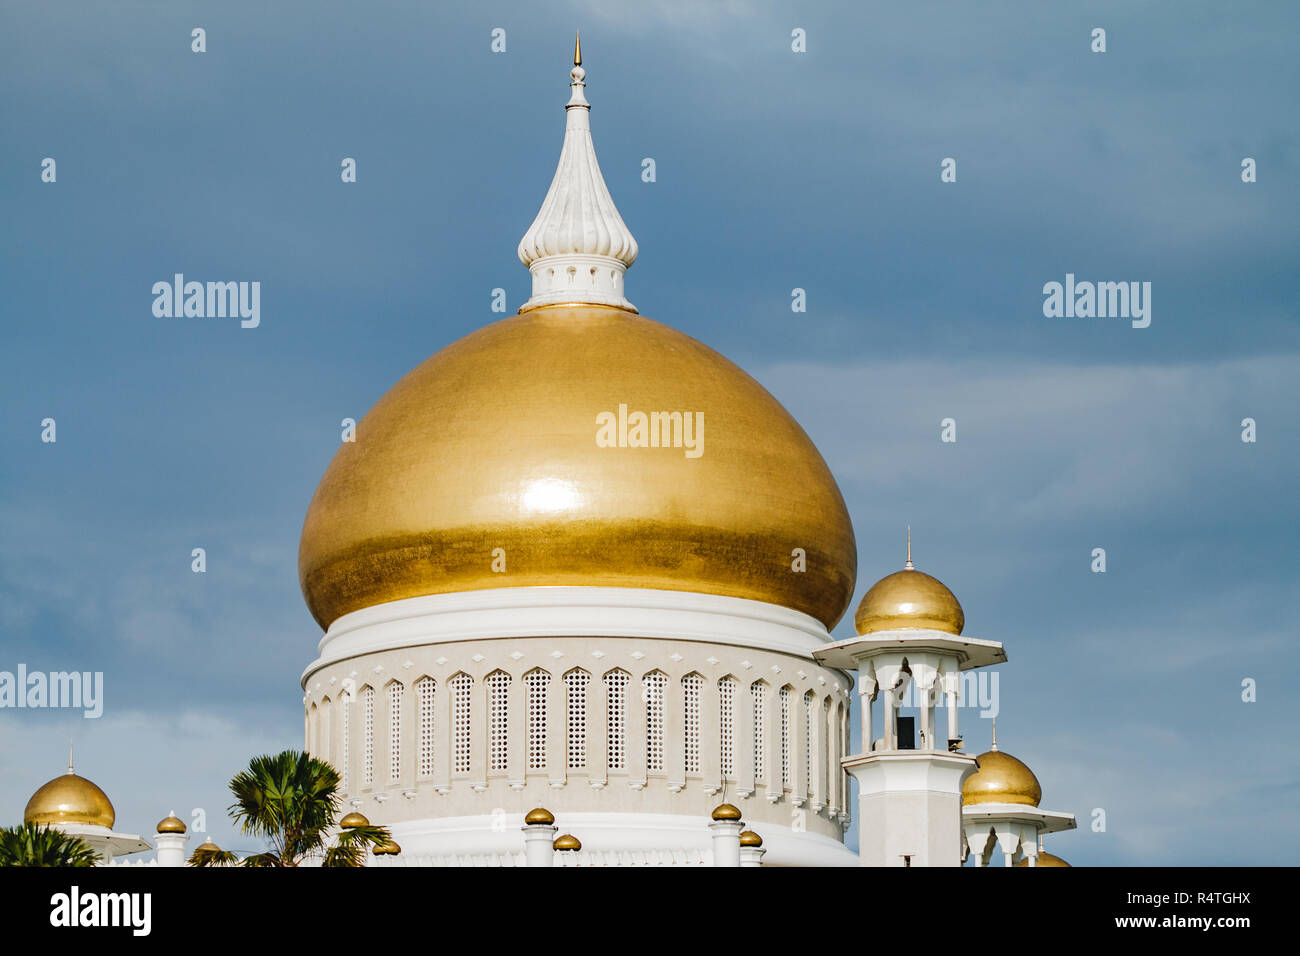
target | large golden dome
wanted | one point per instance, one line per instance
(69, 798)
(492, 444)
(909, 599)
(1001, 778)
(1045, 859)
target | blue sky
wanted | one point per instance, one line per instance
(774, 171)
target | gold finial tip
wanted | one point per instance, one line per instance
(908, 566)
(994, 745)
(577, 48)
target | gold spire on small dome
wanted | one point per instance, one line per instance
(171, 823)
(208, 844)
(725, 811)
(567, 842)
(388, 847)
(750, 838)
(69, 798)
(577, 48)
(909, 599)
(1001, 778)
(539, 816)
(354, 820)
(1045, 859)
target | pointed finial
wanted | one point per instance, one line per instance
(908, 566)
(995, 735)
(69, 755)
(577, 49)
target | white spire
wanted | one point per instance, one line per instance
(578, 248)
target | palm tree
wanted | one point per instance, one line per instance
(291, 799)
(34, 845)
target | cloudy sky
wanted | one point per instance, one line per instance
(775, 170)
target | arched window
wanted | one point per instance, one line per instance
(758, 692)
(367, 736)
(537, 683)
(786, 701)
(498, 685)
(325, 729)
(425, 689)
(616, 682)
(656, 687)
(460, 693)
(575, 691)
(727, 724)
(395, 730)
(313, 731)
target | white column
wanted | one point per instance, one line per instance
(171, 848)
(867, 694)
(726, 842)
(539, 839)
(751, 855)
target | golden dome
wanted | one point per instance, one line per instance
(909, 599)
(567, 842)
(1001, 778)
(1045, 859)
(353, 820)
(490, 447)
(171, 824)
(540, 815)
(69, 798)
(750, 838)
(388, 847)
(725, 811)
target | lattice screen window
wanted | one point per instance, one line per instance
(395, 730)
(691, 686)
(727, 724)
(460, 702)
(575, 687)
(758, 691)
(367, 736)
(616, 682)
(828, 747)
(656, 687)
(538, 683)
(344, 775)
(787, 693)
(425, 695)
(809, 701)
(498, 685)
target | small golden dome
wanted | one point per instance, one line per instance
(209, 845)
(725, 811)
(495, 442)
(1001, 778)
(388, 848)
(171, 824)
(69, 798)
(909, 599)
(539, 815)
(1045, 859)
(750, 838)
(567, 842)
(353, 820)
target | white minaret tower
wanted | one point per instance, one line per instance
(170, 840)
(910, 791)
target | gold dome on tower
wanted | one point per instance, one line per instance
(1001, 778)
(69, 798)
(909, 599)
(578, 443)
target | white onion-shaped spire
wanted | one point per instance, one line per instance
(578, 248)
